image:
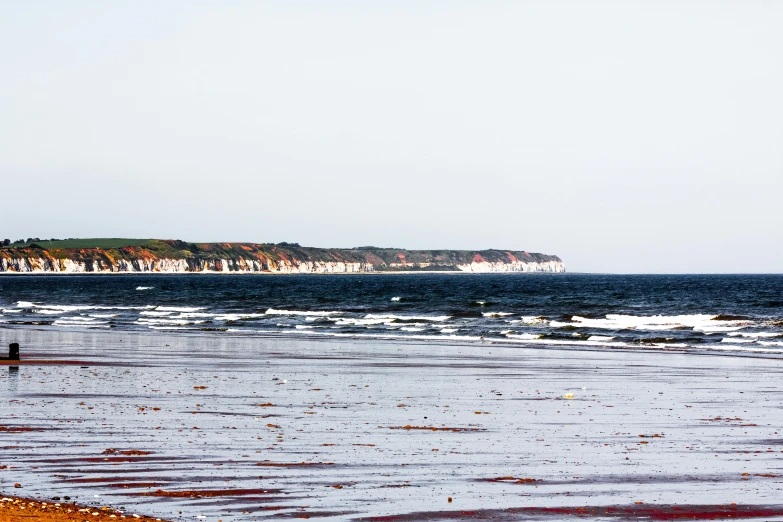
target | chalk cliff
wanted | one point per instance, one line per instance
(174, 256)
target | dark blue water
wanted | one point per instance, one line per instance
(720, 312)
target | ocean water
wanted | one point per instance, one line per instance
(726, 313)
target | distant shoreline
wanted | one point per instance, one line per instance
(175, 256)
(269, 273)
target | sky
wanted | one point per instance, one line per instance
(627, 137)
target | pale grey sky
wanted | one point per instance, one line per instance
(623, 136)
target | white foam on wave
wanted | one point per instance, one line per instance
(389, 336)
(103, 316)
(717, 329)
(496, 314)
(738, 340)
(155, 313)
(194, 315)
(698, 322)
(180, 308)
(523, 337)
(529, 320)
(273, 311)
(167, 321)
(510, 339)
(600, 338)
(449, 330)
(396, 298)
(144, 288)
(237, 317)
(12, 311)
(350, 321)
(86, 322)
(436, 318)
(310, 318)
(737, 348)
(756, 334)
(668, 345)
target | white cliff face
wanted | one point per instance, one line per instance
(514, 266)
(243, 266)
(174, 266)
(32, 264)
(320, 267)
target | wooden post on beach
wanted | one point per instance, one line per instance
(13, 352)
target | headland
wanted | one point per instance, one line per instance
(117, 255)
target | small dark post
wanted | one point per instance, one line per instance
(13, 352)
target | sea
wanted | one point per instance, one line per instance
(740, 314)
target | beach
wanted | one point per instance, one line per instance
(232, 428)
(15, 509)
(391, 261)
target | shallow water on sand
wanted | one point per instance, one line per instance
(238, 428)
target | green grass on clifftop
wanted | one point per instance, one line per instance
(96, 242)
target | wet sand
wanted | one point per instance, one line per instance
(245, 429)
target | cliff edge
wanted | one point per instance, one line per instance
(174, 256)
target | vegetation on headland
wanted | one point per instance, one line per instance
(101, 242)
(105, 254)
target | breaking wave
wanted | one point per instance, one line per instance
(720, 313)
